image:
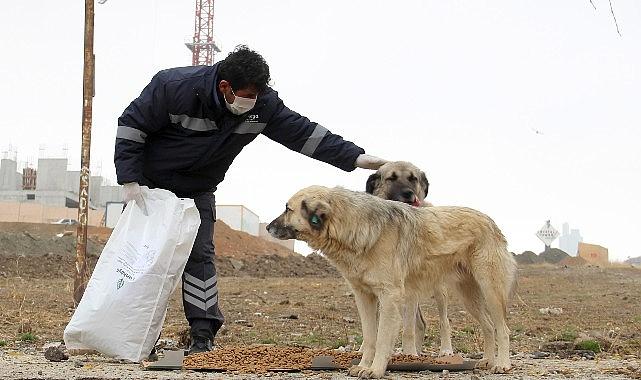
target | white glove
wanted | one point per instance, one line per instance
(365, 161)
(131, 192)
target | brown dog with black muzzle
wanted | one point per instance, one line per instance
(404, 182)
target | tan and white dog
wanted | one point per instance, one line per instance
(388, 251)
(403, 181)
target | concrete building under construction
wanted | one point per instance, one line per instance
(49, 192)
(51, 184)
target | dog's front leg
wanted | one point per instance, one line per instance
(389, 322)
(367, 310)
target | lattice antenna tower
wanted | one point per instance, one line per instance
(203, 46)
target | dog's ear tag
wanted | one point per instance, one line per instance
(314, 220)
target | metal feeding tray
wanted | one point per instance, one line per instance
(452, 364)
(172, 360)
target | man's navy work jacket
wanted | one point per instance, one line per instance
(178, 135)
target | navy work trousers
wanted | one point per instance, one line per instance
(200, 281)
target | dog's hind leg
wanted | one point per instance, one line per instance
(440, 295)
(472, 297)
(496, 302)
(367, 310)
(419, 329)
(412, 332)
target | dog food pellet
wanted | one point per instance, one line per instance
(256, 359)
(262, 359)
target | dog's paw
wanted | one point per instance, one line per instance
(485, 363)
(501, 367)
(355, 370)
(410, 351)
(370, 373)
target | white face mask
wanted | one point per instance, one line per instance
(240, 104)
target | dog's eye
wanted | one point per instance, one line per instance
(412, 179)
(287, 209)
(392, 178)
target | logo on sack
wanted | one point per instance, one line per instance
(122, 272)
(120, 283)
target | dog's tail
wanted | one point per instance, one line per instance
(510, 274)
(514, 289)
(512, 270)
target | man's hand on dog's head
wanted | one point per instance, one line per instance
(365, 161)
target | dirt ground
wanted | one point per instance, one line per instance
(28, 249)
(301, 301)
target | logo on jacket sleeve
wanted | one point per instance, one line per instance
(252, 118)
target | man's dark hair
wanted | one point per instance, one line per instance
(245, 68)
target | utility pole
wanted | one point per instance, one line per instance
(81, 275)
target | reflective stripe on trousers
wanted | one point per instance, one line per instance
(200, 282)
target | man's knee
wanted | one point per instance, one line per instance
(203, 249)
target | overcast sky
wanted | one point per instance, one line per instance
(459, 88)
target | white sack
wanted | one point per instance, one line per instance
(123, 308)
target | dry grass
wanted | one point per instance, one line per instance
(595, 301)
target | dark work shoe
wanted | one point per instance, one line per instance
(153, 355)
(199, 344)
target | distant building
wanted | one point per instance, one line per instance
(10, 179)
(31, 212)
(569, 240)
(239, 218)
(52, 185)
(49, 193)
(243, 219)
(634, 261)
(593, 254)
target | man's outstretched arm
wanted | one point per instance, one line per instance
(299, 134)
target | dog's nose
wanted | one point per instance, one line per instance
(408, 195)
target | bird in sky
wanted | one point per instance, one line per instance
(536, 131)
